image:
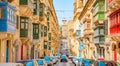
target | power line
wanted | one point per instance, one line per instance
(64, 10)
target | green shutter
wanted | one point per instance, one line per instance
(23, 2)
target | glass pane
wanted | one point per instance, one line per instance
(101, 31)
(102, 39)
(36, 31)
(22, 25)
(26, 20)
(26, 26)
(22, 20)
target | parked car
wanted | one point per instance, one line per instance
(28, 62)
(54, 59)
(11, 64)
(70, 58)
(64, 58)
(104, 63)
(75, 61)
(48, 61)
(41, 62)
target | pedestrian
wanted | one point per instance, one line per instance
(82, 64)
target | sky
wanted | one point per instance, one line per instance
(64, 9)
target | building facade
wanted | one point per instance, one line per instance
(114, 10)
(29, 33)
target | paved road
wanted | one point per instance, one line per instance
(64, 64)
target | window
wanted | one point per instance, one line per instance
(24, 20)
(78, 33)
(45, 30)
(41, 6)
(106, 27)
(96, 32)
(102, 39)
(45, 44)
(23, 26)
(49, 36)
(48, 16)
(1, 12)
(101, 6)
(35, 31)
(101, 31)
(23, 2)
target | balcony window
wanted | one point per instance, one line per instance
(48, 16)
(101, 39)
(23, 2)
(23, 26)
(101, 6)
(35, 31)
(1, 13)
(35, 11)
(45, 31)
(96, 33)
(49, 36)
(45, 44)
(101, 31)
(42, 7)
(78, 33)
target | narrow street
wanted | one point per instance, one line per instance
(64, 64)
(60, 32)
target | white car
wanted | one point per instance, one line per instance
(11, 64)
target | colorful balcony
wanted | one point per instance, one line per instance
(7, 19)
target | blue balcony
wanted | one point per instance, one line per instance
(7, 17)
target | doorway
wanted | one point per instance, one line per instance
(7, 51)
